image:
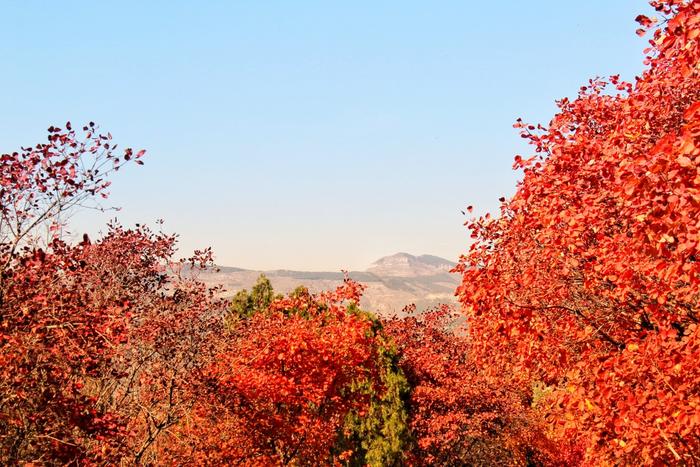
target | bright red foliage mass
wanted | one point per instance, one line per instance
(98, 341)
(582, 299)
(111, 351)
(282, 383)
(459, 414)
(589, 280)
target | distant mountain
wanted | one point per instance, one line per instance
(405, 265)
(392, 281)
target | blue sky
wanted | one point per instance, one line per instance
(306, 134)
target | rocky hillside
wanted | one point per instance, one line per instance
(392, 281)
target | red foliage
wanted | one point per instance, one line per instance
(458, 414)
(281, 385)
(55, 335)
(97, 342)
(40, 184)
(111, 350)
(582, 301)
(58, 329)
(589, 280)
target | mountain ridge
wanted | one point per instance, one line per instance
(392, 282)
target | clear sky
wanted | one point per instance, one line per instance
(306, 134)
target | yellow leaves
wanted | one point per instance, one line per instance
(660, 39)
(677, 368)
(620, 442)
(665, 238)
(632, 347)
(590, 406)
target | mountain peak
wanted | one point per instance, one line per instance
(407, 265)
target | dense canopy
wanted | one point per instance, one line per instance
(577, 339)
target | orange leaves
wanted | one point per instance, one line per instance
(692, 111)
(285, 380)
(593, 263)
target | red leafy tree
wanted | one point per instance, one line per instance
(97, 343)
(589, 280)
(174, 332)
(39, 185)
(54, 331)
(457, 414)
(282, 384)
(55, 337)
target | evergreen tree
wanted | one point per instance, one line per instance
(245, 304)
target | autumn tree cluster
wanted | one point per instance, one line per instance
(98, 339)
(577, 341)
(112, 351)
(587, 283)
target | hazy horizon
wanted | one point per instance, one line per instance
(307, 136)
(360, 269)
